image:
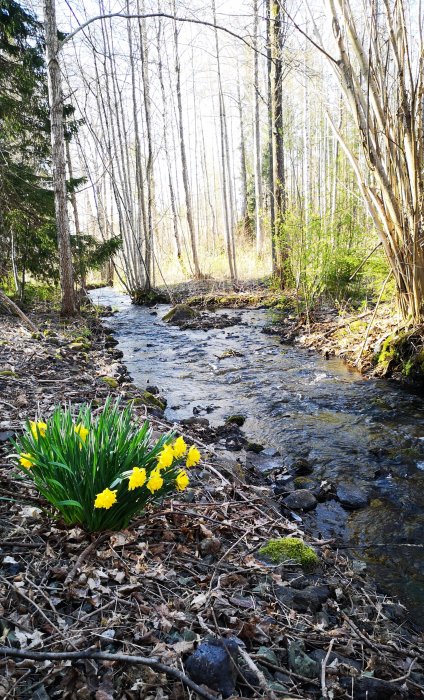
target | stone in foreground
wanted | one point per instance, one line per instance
(211, 665)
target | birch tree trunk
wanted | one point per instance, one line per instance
(166, 146)
(243, 162)
(68, 306)
(257, 166)
(190, 220)
(277, 136)
(225, 175)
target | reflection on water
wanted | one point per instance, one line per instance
(364, 432)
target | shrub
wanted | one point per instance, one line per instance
(99, 471)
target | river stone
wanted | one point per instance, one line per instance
(212, 665)
(264, 463)
(300, 662)
(301, 467)
(302, 499)
(352, 497)
(179, 313)
(310, 598)
(367, 688)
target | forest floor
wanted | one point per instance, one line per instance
(168, 590)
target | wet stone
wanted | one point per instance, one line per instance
(302, 499)
(352, 497)
(301, 467)
(319, 655)
(212, 666)
(367, 688)
(254, 447)
(311, 598)
(300, 662)
(263, 462)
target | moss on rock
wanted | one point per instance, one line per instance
(402, 354)
(149, 297)
(148, 399)
(180, 312)
(110, 381)
(290, 548)
(236, 419)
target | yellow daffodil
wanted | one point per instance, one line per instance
(81, 431)
(26, 460)
(105, 499)
(138, 478)
(38, 428)
(155, 481)
(182, 480)
(166, 457)
(193, 457)
(179, 447)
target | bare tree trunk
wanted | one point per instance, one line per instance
(149, 256)
(186, 184)
(243, 162)
(74, 206)
(257, 167)
(167, 153)
(226, 195)
(278, 165)
(68, 307)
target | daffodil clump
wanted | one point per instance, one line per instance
(99, 471)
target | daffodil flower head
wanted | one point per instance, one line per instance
(26, 459)
(193, 457)
(155, 481)
(137, 478)
(179, 447)
(166, 457)
(38, 428)
(105, 499)
(182, 480)
(82, 431)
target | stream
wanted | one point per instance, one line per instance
(368, 433)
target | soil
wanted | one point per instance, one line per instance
(178, 576)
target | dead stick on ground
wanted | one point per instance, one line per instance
(4, 299)
(324, 690)
(84, 554)
(153, 663)
(260, 676)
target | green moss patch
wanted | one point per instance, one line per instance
(149, 297)
(290, 549)
(180, 312)
(148, 399)
(402, 354)
(236, 419)
(110, 381)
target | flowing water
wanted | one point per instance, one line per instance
(354, 431)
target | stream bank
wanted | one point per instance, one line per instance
(179, 574)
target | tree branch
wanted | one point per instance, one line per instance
(152, 662)
(148, 15)
(4, 299)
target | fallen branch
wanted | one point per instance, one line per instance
(153, 663)
(324, 690)
(257, 671)
(83, 556)
(4, 299)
